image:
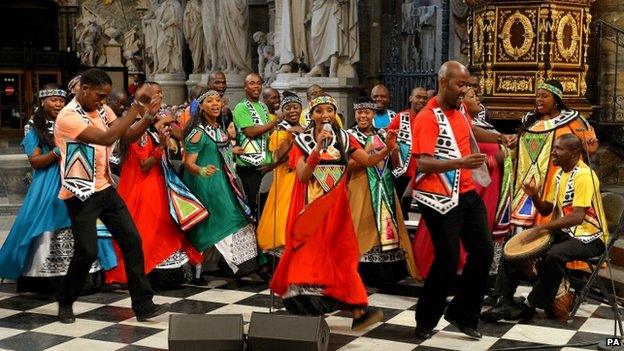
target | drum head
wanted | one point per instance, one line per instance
(515, 248)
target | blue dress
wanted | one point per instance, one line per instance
(42, 211)
(40, 243)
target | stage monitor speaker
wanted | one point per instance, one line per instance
(271, 332)
(199, 332)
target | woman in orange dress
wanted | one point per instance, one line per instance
(318, 272)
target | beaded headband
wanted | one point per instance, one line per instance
(319, 100)
(52, 92)
(291, 98)
(72, 83)
(210, 92)
(553, 89)
(365, 106)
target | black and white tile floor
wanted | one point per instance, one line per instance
(104, 321)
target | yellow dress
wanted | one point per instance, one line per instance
(272, 226)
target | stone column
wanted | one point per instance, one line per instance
(67, 14)
(173, 87)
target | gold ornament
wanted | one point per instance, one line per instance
(528, 35)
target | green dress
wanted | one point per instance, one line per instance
(228, 226)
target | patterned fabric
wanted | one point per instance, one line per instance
(378, 255)
(404, 141)
(445, 196)
(532, 163)
(184, 207)
(79, 171)
(553, 89)
(239, 247)
(210, 92)
(254, 149)
(52, 92)
(502, 219)
(289, 99)
(319, 100)
(176, 260)
(592, 227)
(225, 150)
(365, 106)
(381, 187)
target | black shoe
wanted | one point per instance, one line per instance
(469, 331)
(155, 310)
(201, 281)
(66, 314)
(489, 301)
(522, 312)
(423, 333)
(369, 317)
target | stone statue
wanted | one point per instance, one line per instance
(426, 26)
(131, 48)
(88, 37)
(294, 34)
(460, 11)
(272, 65)
(150, 32)
(170, 38)
(233, 21)
(111, 31)
(211, 35)
(260, 38)
(194, 34)
(334, 37)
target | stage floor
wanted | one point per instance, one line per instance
(104, 321)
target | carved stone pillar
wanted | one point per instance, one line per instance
(515, 46)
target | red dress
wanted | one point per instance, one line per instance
(145, 196)
(318, 272)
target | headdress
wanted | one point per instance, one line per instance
(210, 92)
(324, 99)
(44, 93)
(72, 83)
(290, 98)
(365, 105)
(553, 89)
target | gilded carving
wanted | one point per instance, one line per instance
(477, 37)
(528, 35)
(514, 84)
(569, 84)
(568, 52)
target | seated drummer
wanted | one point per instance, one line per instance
(579, 234)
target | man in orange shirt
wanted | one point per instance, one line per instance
(402, 123)
(453, 211)
(85, 130)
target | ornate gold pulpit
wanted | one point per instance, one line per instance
(516, 45)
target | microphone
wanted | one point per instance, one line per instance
(326, 142)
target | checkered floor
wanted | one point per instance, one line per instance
(106, 322)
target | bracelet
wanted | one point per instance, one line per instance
(56, 151)
(313, 159)
(148, 116)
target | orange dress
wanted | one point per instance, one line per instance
(145, 196)
(318, 272)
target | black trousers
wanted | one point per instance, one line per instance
(251, 177)
(466, 222)
(110, 208)
(400, 185)
(552, 270)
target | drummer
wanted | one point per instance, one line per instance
(580, 233)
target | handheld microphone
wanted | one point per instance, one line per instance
(326, 142)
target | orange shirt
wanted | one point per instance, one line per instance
(425, 131)
(69, 125)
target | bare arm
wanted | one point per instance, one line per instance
(427, 164)
(486, 136)
(115, 131)
(570, 220)
(254, 132)
(304, 171)
(368, 160)
(39, 160)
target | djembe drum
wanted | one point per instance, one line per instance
(527, 257)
